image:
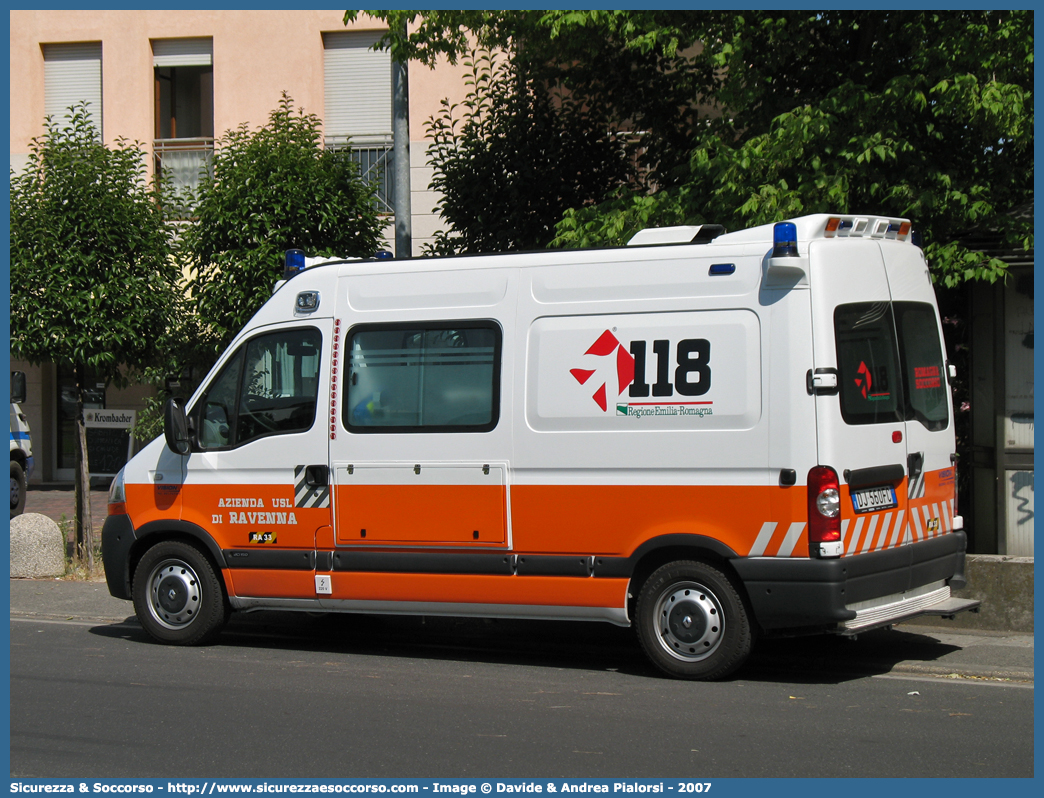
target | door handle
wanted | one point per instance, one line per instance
(915, 464)
(822, 382)
(317, 476)
(915, 487)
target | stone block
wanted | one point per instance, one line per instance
(37, 547)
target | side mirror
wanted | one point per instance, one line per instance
(17, 387)
(176, 427)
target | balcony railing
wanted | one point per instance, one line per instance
(375, 158)
(184, 161)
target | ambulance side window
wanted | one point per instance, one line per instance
(426, 377)
(923, 367)
(868, 365)
(269, 387)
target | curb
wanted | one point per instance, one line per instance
(991, 674)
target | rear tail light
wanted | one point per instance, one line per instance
(824, 505)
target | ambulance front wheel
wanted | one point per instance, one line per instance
(692, 622)
(178, 596)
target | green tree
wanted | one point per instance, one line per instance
(511, 159)
(633, 71)
(93, 282)
(926, 115)
(749, 117)
(549, 122)
(272, 189)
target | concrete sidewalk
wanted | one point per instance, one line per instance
(907, 649)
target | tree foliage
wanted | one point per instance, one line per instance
(93, 283)
(753, 116)
(92, 280)
(272, 189)
(926, 115)
(549, 123)
(511, 159)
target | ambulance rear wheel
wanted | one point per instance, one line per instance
(17, 488)
(692, 622)
(178, 596)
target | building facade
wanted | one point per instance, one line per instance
(1001, 435)
(176, 81)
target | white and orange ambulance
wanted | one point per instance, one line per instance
(709, 436)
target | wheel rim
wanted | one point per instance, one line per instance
(174, 594)
(16, 492)
(690, 623)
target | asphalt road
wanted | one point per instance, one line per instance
(401, 697)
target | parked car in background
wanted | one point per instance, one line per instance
(21, 445)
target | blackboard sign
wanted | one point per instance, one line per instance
(108, 440)
(107, 450)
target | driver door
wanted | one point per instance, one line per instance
(257, 479)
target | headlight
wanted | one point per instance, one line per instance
(117, 494)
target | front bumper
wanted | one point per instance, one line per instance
(117, 539)
(859, 592)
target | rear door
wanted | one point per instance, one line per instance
(930, 437)
(861, 426)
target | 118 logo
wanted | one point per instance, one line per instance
(689, 373)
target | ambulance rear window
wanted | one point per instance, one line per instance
(867, 359)
(890, 364)
(924, 371)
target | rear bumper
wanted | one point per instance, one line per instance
(842, 594)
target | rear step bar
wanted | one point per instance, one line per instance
(903, 608)
(949, 608)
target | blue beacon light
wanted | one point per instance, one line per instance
(294, 263)
(784, 240)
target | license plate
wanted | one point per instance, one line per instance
(866, 500)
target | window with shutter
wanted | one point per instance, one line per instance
(358, 108)
(72, 74)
